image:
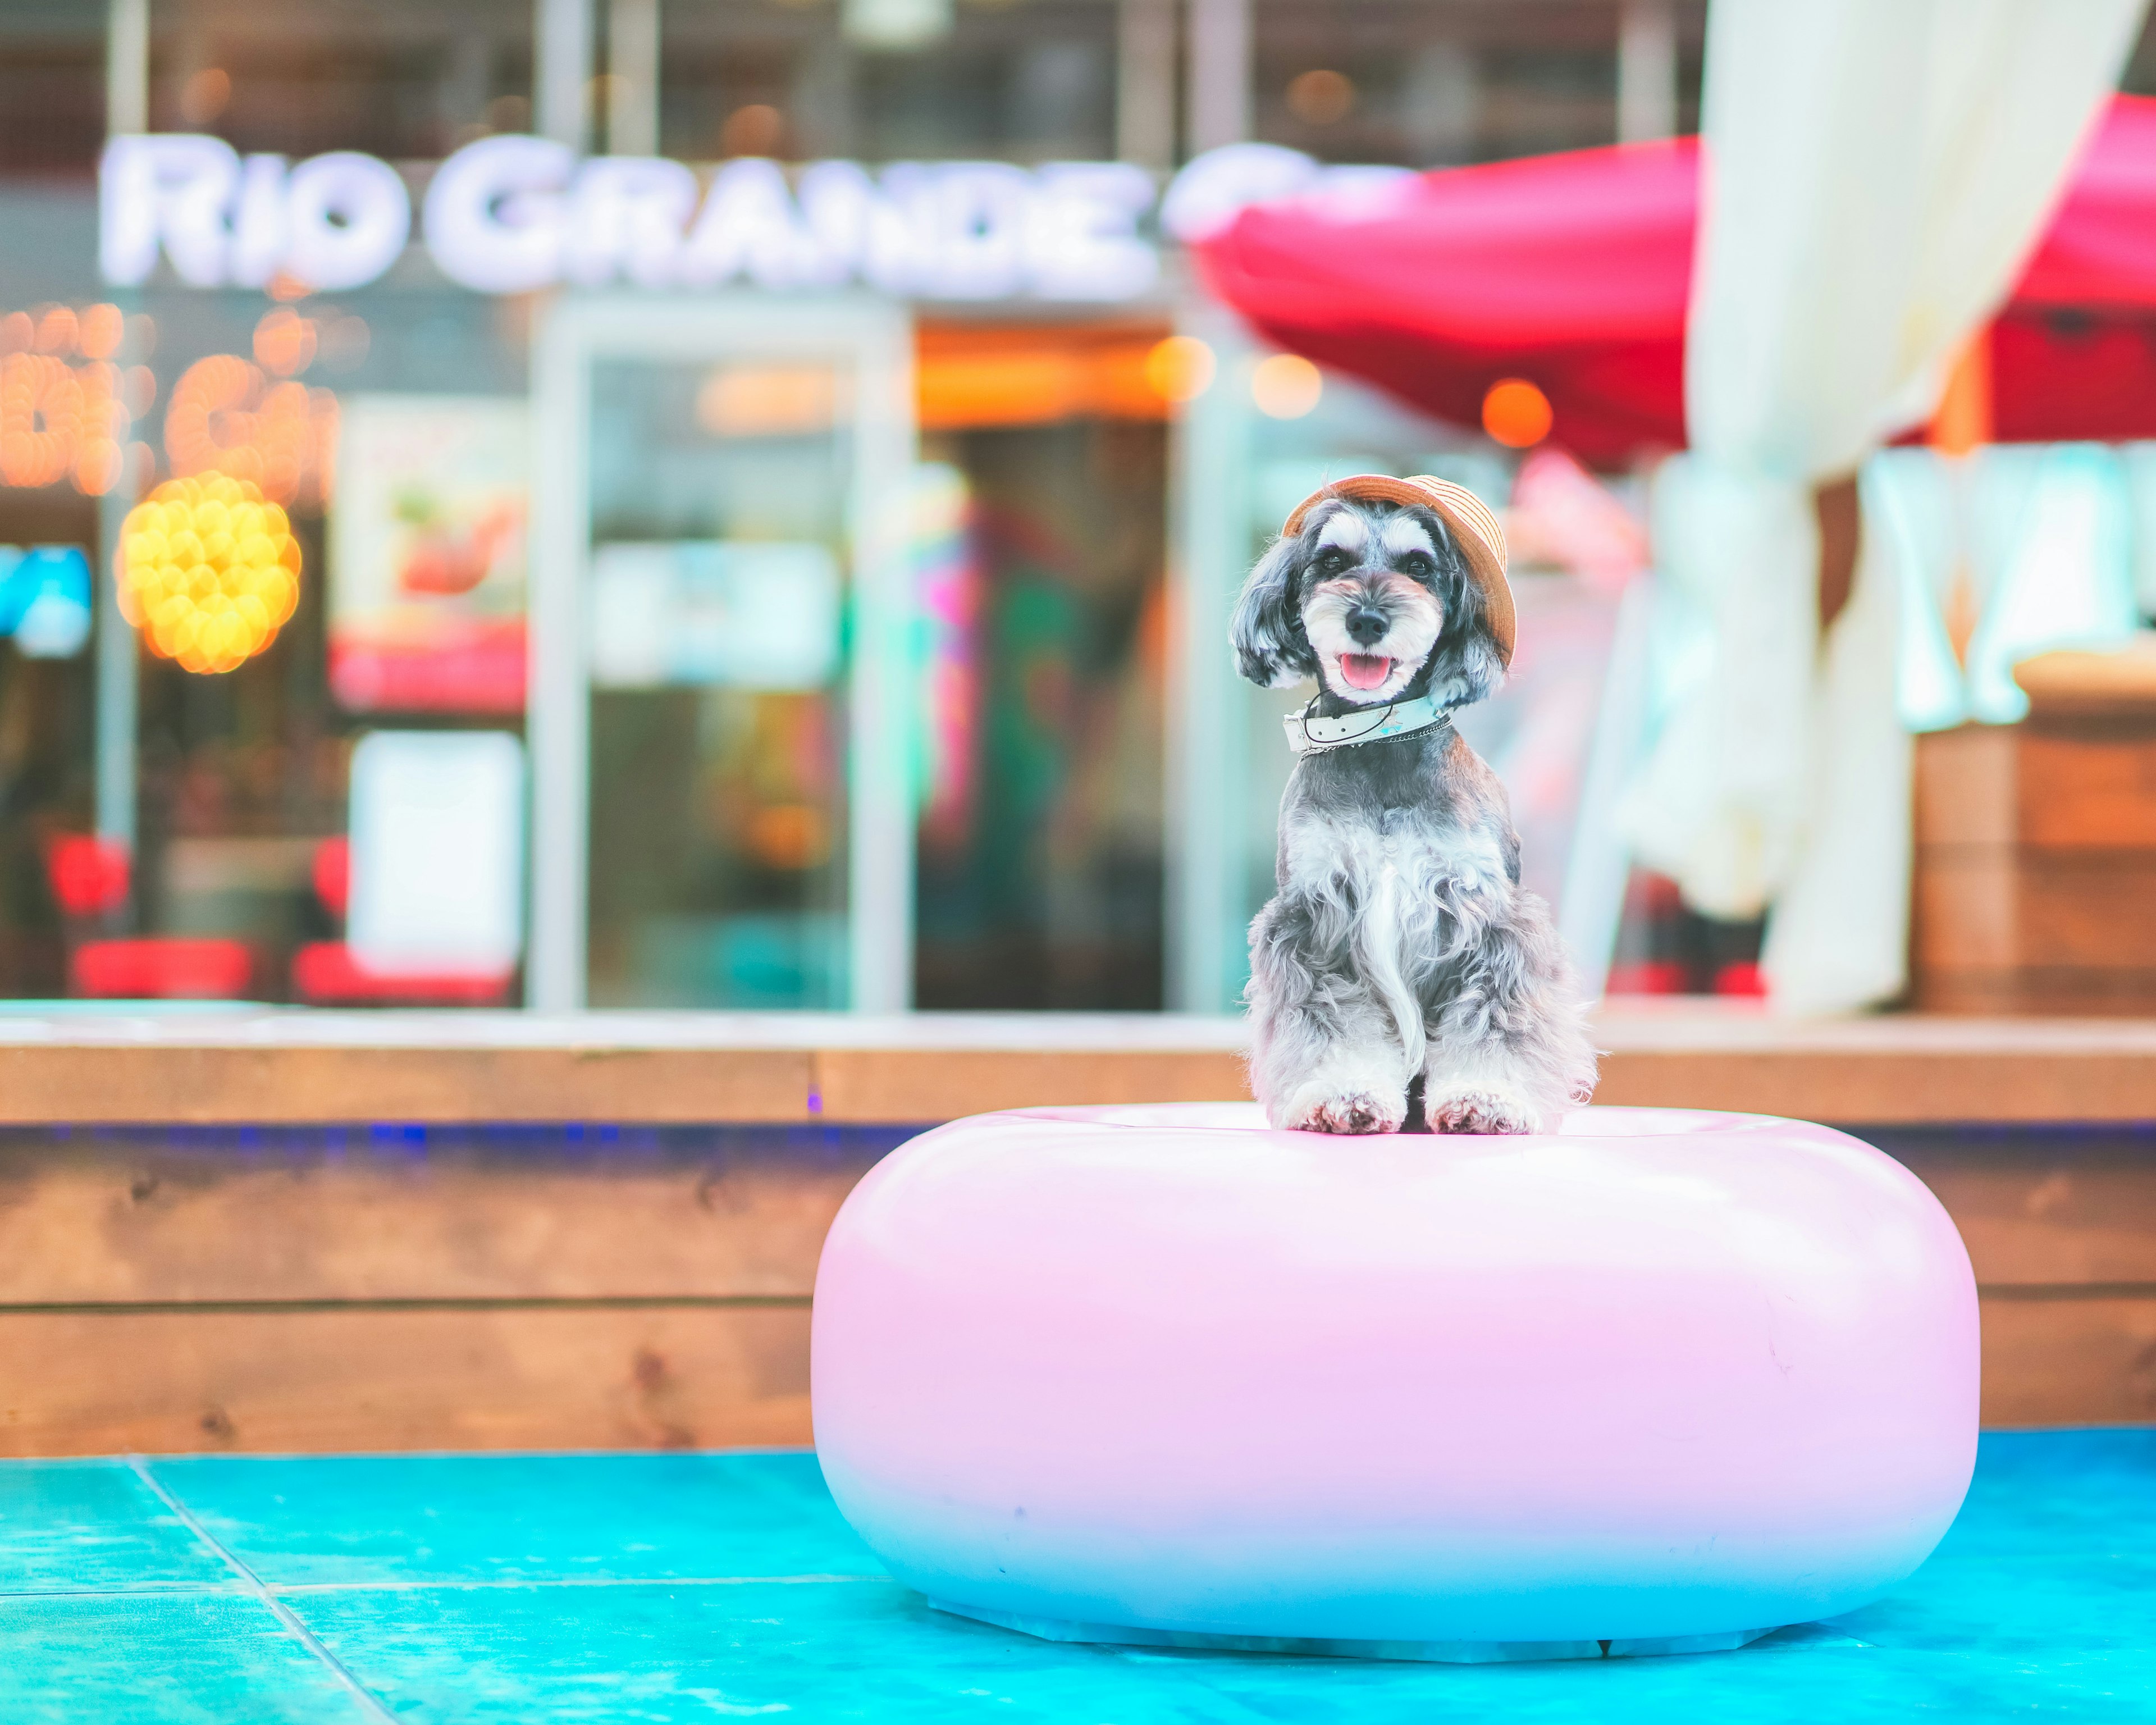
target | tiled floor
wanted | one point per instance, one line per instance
(699, 1588)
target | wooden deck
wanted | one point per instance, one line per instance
(295, 1232)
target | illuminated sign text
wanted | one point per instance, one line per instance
(511, 214)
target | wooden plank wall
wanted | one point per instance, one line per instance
(459, 1288)
(308, 1291)
(2060, 1226)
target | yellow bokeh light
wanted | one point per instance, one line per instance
(208, 571)
(1286, 386)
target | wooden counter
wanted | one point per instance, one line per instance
(278, 1231)
(267, 1067)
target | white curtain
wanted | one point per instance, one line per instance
(1876, 171)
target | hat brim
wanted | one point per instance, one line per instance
(1474, 529)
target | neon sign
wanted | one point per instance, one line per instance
(44, 599)
(336, 221)
(512, 214)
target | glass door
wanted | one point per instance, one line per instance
(719, 714)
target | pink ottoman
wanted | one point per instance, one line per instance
(1661, 1381)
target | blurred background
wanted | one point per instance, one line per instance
(734, 503)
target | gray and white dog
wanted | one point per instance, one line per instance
(1401, 953)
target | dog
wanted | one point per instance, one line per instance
(1401, 959)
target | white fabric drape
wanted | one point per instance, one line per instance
(1876, 171)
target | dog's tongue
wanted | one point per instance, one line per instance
(1364, 671)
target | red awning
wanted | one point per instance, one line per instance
(1573, 271)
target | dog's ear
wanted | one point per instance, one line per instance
(1271, 647)
(1464, 666)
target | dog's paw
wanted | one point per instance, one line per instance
(1479, 1109)
(1355, 1111)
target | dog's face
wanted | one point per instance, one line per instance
(1362, 599)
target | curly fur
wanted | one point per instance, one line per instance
(1400, 945)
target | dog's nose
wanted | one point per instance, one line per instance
(1367, 626)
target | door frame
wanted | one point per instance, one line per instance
(1212, 445)
(579, 330)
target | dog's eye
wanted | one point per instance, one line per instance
(1421, 564)
(1332, 561)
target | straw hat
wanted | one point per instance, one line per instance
(1481, 539)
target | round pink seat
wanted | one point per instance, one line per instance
(1661, 1380)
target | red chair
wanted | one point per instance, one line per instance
(332, 873)
(329, 973)
(88, 876)
(161, 968)
(91, 878)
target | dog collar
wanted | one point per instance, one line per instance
(1309, 735)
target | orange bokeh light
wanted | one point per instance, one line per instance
(40, 418)
(1516, 413)
(208, 571)
(1180, 368)
(284, 341)
(100, 331)
(61, 418)
(57, 329)
(771, 401)
(789, 836)
(223, 419)
(1286, 386)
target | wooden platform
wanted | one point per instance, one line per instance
(2035, 883)
(294, 1232)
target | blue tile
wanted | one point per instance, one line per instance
(846, 1651)
(659, 1653)
(2010, 1607)
(2060, 1491)
(69, 1525)
(361, 1519)
(172, 1659)
(465, 1590)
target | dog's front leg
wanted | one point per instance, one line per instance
(1509, 1051)
(1325, 1056)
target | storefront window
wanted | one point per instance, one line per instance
(52, 89)
(401, 80)
(198, 830)
(1366, 80)
(350, 416)
(1032, 82)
